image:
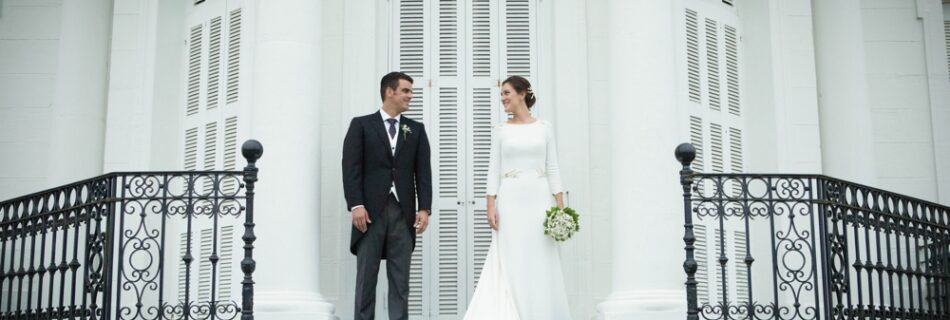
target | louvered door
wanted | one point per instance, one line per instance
(711, 95)
(483, 72)
(451, 109)
(458, 51)
(211, 129)
(411, 50)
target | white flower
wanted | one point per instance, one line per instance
(405, 131)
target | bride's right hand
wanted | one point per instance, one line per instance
(492, 218)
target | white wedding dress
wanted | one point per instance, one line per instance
(522, 277)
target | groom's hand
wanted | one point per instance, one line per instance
(422, 221)
(361, 219)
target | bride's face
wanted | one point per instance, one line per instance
(510, 98)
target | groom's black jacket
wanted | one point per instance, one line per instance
(370, 168)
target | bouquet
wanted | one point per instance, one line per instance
(561, 224)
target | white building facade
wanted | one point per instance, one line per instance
(854, 89)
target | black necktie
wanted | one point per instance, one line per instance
(392, 127)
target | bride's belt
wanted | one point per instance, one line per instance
(525, 173)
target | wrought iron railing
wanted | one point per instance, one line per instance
(764, 246)
(98, 248)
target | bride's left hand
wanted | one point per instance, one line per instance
(492, 215)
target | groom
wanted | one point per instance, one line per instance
(385, 168)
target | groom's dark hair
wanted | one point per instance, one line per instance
(391, 81)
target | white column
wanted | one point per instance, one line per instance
(937, 48)
(847, 140)
(285, 119)
(79, 100)
(647, 220)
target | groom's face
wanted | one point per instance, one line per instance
(401, 96)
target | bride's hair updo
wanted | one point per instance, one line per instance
(521, 85)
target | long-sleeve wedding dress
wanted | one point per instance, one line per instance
(522, 276)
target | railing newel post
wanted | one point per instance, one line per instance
(685, 154)
(252, 151)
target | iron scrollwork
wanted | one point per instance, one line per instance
(99, 248)
(838, 250)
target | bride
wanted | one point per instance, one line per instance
(522, 277)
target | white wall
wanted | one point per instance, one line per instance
(780, 89)
(166, 98)
(29, 38)
(941, 113)
(899, 98)
(145, 86)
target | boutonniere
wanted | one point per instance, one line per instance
(405, 131)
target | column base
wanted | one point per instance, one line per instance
(643, 304)
(292, 305)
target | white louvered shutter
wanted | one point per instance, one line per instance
(518, 44)
(194, 69)
(409, 53)
(712, 63)
(483, 35)
(450, 157)
(220, 244)
(702, 265)
(946, 33)
(732, 68)
(184, 272)
(696, 135)
(234, 55)
(412, 36)
(479, 144)
(191, 149)
(716, 148)
(450, 203)
(214, 63)
(206, 248)
(226, 276)
(720, 273)
(483, 72)
(417, 294)
(230, 153)
(742, 272)
(735, 157)
(710, 50)
(692, 55)
(696, 138)
(210, 142)
(210, 154)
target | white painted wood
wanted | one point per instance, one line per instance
(842, 91)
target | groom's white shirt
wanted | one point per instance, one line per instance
(392, 142)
